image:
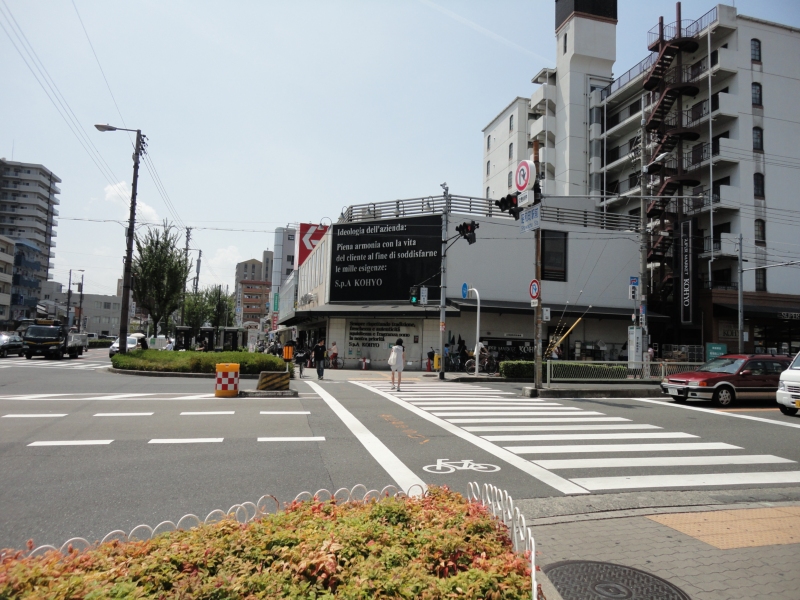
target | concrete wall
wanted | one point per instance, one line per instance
(497, 154)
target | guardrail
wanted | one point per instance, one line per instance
(497, 501)
(577, 371)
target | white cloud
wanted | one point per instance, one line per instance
(223, 264)
(119, 194)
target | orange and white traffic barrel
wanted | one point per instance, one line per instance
(227, 380)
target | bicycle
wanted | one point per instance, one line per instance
(487, 365)
(444, 465)
(338, 363)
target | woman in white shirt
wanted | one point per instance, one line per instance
(397, 358)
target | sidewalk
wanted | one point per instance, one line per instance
(712, 545)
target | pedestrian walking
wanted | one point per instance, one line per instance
(333, 353)
(319, 358)
(397, 358)
(300, 359)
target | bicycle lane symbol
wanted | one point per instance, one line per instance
(445, 465)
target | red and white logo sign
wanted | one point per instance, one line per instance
(534, 290)
(310, 236)
(523, 178)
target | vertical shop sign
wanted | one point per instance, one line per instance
(687, 258)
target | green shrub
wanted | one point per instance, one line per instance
(250, 363)
(518, 369)
(435, 547)
(100, 343)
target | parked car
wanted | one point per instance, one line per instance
(91, 336)
(788, 395)
(728, 377)
(11, 343)
(114, 348)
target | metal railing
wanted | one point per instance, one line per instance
(719, 285)
(685, 29)
(631, 74)
(482, 207)
(577, 371)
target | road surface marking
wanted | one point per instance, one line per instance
(397, 470)
(469, 404)
(285, 412)
(121, 414)
(558, 427)
(716, 412)
(33, 416)
(662, 461)
(117, 396)
(186, 441)
(563, 485)
(35, 396)
(207, 413)
(588, 436)
(73, 443)
(597, 448)
(576, 419)
(709, 479)
(195, 397)
(514, 414)
(504, 408)
(292, 439)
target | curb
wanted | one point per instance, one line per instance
(173, 374)
(268, 394)
(549, 591)
(638, 392)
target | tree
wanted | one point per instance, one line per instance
(160, 270)
(197, 311)
(222, 306)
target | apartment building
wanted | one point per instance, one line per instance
(248, 269)
(506, 143)
(283, 265)
(6, 273)
(252, 302)
(704, 127)
(28, 201)
(94, 313)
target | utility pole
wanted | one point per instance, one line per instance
(80, 324)
(643, 278)
(740, 294)
(443, 288)
(537, 241)
(69, 295)
(186, 259)
(126, 274)
(197, 274)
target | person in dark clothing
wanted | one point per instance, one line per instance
(143, 343)
(319, 357)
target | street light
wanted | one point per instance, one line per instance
(126, 274)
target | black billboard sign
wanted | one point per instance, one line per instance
(687, 284)
(378, 261)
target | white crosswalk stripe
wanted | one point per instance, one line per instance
(540, 431)
(37, 363)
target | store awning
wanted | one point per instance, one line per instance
(556, 310)
(757, 311)
(367, 310)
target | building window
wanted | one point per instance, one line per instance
(290, 237)
(289, 271)
(758, 139)
(755, 50)
(488, 142)
(511, 123)
(554, 255)
(488, 167)
(758, 185)
(761, 280)
(565, 42)
(756, 93)
(487, 192)
(511, 151)
(107, 305)
(510, 178)
(761, 231)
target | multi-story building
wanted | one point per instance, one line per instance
(30, 271)
(6, 274)
(282, 264)
(28, 206)
(94, 313)
(266, 265)
(253, 298)
(248, 269)
(709, 115)
(506, 143)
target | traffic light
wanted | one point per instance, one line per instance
(537, 192)
(414, 295)
(509, 203)
(467, 231)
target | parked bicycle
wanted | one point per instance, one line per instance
(338, 363)
(487, 365)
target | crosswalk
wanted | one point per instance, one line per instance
(80, 364)
(600, 450)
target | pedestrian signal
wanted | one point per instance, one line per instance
(414, 295)
(467, 231)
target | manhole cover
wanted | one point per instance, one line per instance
(591, 580)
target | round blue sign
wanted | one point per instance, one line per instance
(464, 291)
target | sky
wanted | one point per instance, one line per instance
(259, 113)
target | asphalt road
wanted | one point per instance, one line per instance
(84, 451)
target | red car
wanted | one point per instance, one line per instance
(728, 377)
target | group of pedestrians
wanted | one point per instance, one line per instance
(318, 353)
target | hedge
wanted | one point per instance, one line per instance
(198, 362)
(439, 546)
(518, 369)
(100, 343)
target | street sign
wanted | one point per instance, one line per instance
(635, 281)
(715, 350)
(464, 291)
(534, 289)
(523, 199)
(534, 303)
(529, 218)
(423, 295)
(545, 314)
(522, 177)
(441, 325)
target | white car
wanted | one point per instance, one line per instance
(788, 395)
(132, 341)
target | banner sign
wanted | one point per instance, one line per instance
(529, 218)
(381, 260)
(687, 258)
(308, 236)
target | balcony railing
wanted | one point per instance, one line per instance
(629, 76)
(684, 29)
(701, 202)
(707, 244)
(719, 285)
